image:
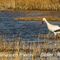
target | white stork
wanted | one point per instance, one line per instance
(53, 28)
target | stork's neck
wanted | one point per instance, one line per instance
(47, 22)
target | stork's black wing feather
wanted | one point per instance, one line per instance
(57, 30)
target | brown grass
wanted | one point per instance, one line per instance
(50, 5)
(38, 4)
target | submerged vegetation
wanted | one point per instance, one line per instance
(37, 19)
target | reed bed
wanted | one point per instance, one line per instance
(38, 5)
(42, 5)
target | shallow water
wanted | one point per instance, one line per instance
(25, 29)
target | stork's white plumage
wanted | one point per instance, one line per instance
(53, 28)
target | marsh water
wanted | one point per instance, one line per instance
(25, 29)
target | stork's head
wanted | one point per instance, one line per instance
(44, 20)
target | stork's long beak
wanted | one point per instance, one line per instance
(42, 22)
